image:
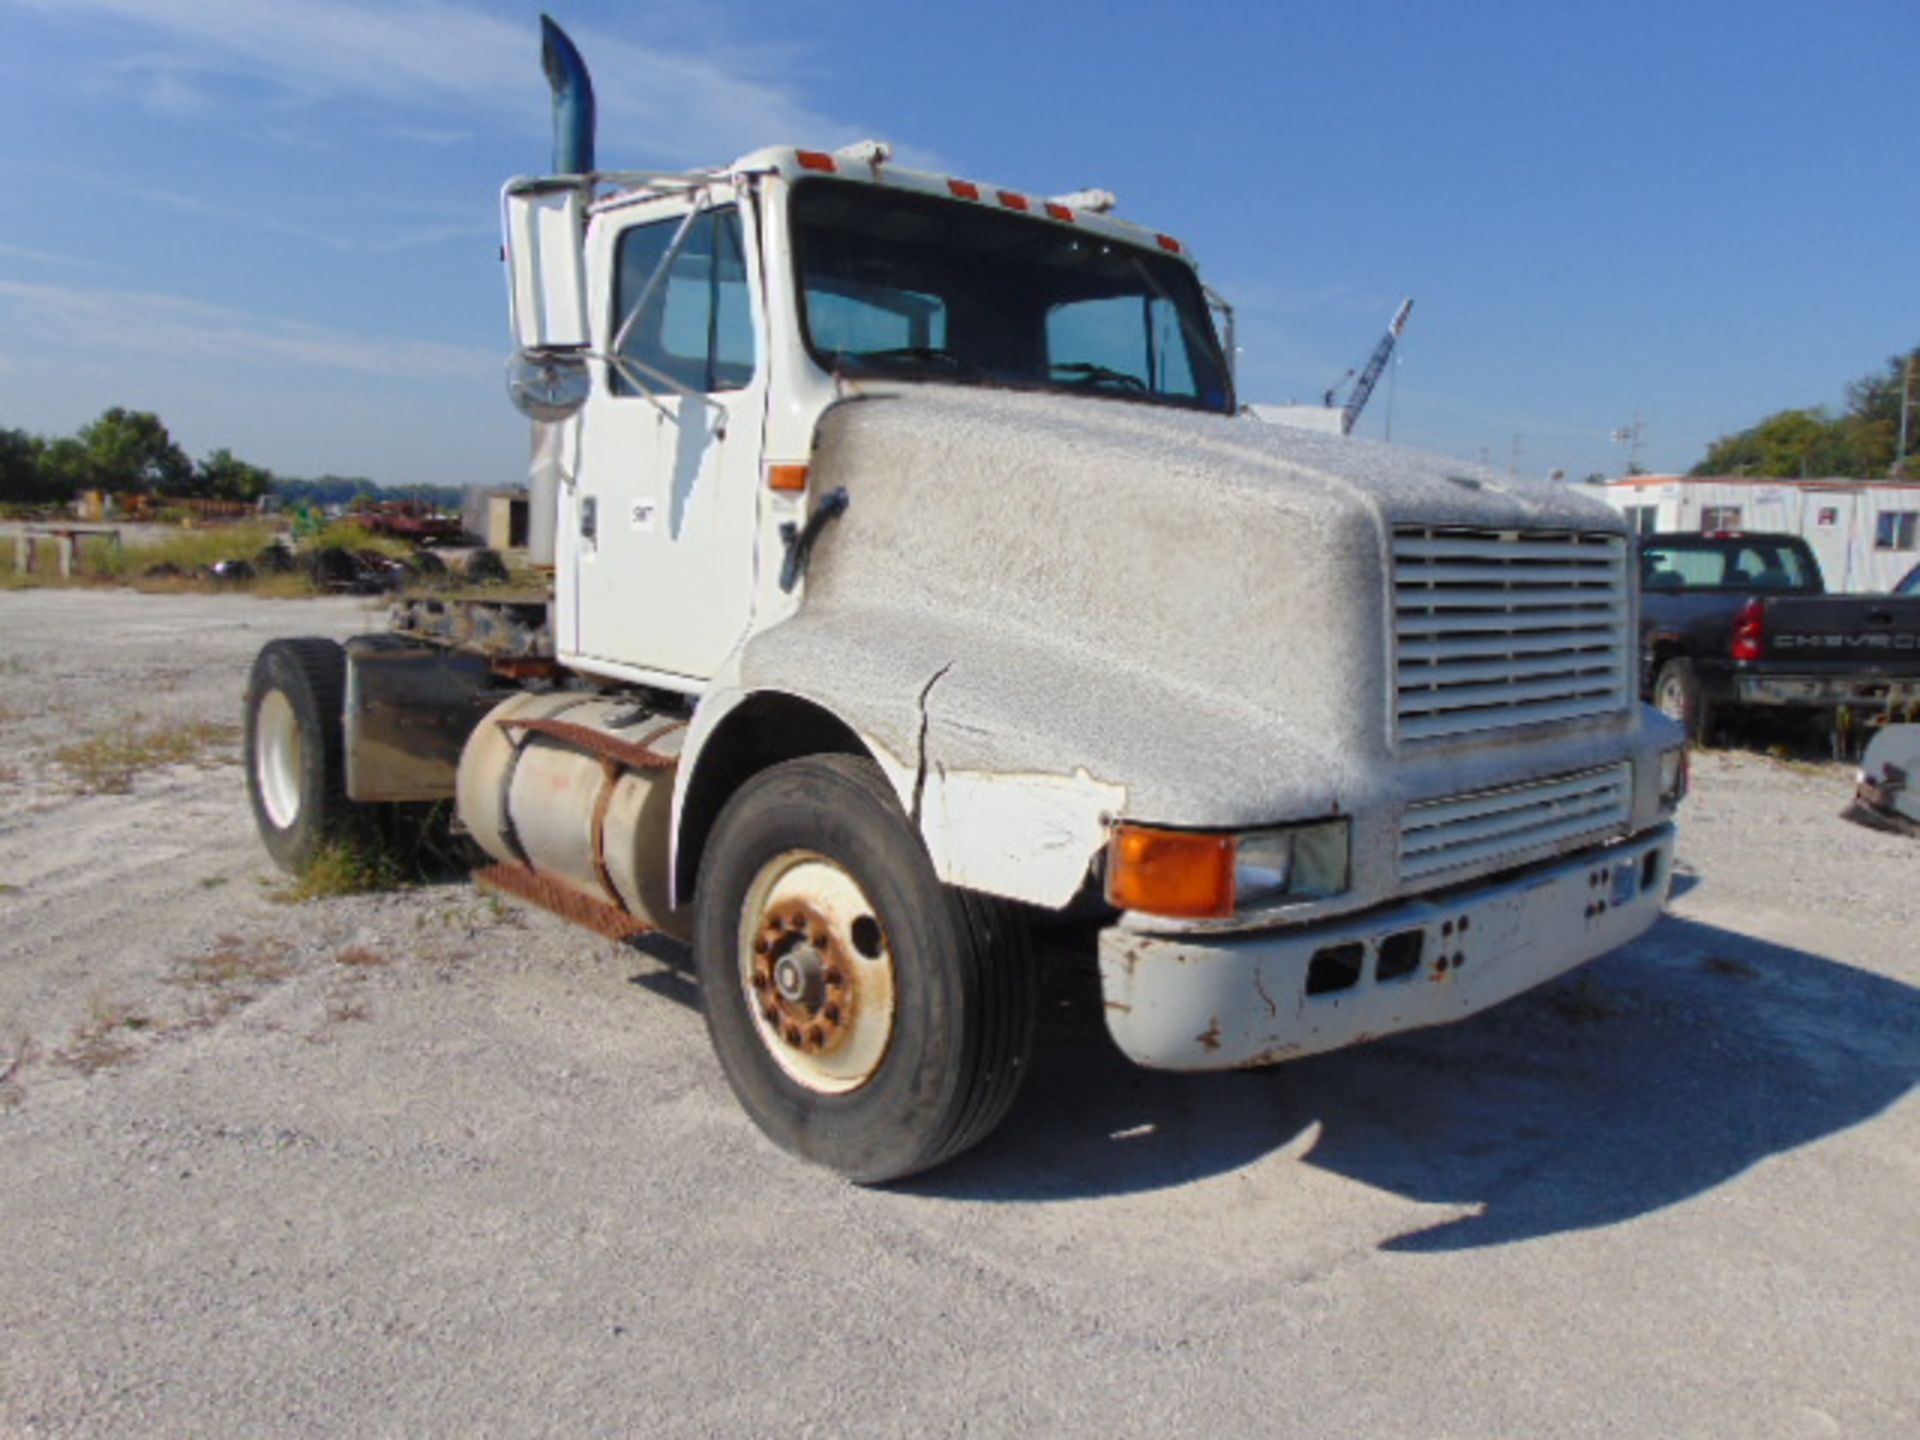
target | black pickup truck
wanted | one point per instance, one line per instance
(1732, 621)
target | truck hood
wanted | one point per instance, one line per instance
(1192, 608)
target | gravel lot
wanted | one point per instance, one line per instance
(426, 1163)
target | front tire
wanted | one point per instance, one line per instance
(869, 1018)
(296, 770)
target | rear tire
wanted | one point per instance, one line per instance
(296, 769)
(1677, 693)
(869, 1018)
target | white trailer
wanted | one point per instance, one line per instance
(1865, 533)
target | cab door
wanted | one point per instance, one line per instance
(665, 495)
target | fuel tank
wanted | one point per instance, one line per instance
(576, 790)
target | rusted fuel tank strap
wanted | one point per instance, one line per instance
(636, 754)
(562, 900)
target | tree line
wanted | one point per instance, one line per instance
(1863, 442)
(129, 451)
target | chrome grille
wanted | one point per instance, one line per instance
(1520, 823)
(1500, 628)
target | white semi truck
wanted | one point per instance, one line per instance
(913, 576)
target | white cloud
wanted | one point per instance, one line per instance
(443, 58)
(115, 322)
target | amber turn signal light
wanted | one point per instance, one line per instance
(787, 479)
(1170, 872)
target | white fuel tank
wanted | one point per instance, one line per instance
(578, 788)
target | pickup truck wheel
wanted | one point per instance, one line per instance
(1677, 693)
(869, 1018)
(296, 773)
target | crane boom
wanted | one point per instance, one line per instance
(1370, 376)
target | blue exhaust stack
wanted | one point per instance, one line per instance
(573, 119)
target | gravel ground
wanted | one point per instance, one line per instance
(426, 1163)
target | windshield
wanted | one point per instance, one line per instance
(898, 283)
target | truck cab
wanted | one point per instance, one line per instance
(916, 576)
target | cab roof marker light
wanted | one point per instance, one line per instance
(866, 152)
(1012, 199)
(1059, 211)
(1094, 202)
(964, 189)
(816, 160)
(1168, 243)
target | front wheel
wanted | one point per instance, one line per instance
(296, 771)
(869, 1018)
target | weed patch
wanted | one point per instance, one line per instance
(344, 867)
(235, 965)
(105, 1038)
(107, 764)
(358, 957)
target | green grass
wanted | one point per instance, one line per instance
(189, 551)
(349, 535)
(348, 866)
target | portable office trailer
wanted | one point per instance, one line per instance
(1866, 533)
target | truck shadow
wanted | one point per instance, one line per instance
(1669, 1068)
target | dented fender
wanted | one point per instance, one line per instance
(1026, 836)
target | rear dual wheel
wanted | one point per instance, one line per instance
(296, 771)
(869, 1018)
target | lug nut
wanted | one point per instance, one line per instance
(831, 1014)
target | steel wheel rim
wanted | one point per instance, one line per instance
(1671, 699)
(276, 758)
(816, 972)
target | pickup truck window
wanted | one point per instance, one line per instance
(1728, 564)
(698, 327)
(898, 283)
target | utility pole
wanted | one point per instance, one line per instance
(1629, 436)
(1906, 406)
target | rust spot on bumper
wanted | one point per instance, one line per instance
(1210, 1037)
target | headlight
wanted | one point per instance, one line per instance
(1210, 874)
(1673, 777)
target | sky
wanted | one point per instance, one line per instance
(275, 224)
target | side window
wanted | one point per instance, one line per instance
(1719, 517)
(698, 326)
(1121, 341)
(1894, 529)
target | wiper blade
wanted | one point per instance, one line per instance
(929, 355)
(1086, 373)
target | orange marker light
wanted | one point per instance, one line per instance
(1167, 242)
(1012, 200)
(1059, 212)
(1170, 872)
(815, 160)
(787, 479)
(965, 189)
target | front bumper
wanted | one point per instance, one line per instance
(1217, 1002)
(1826, 692)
